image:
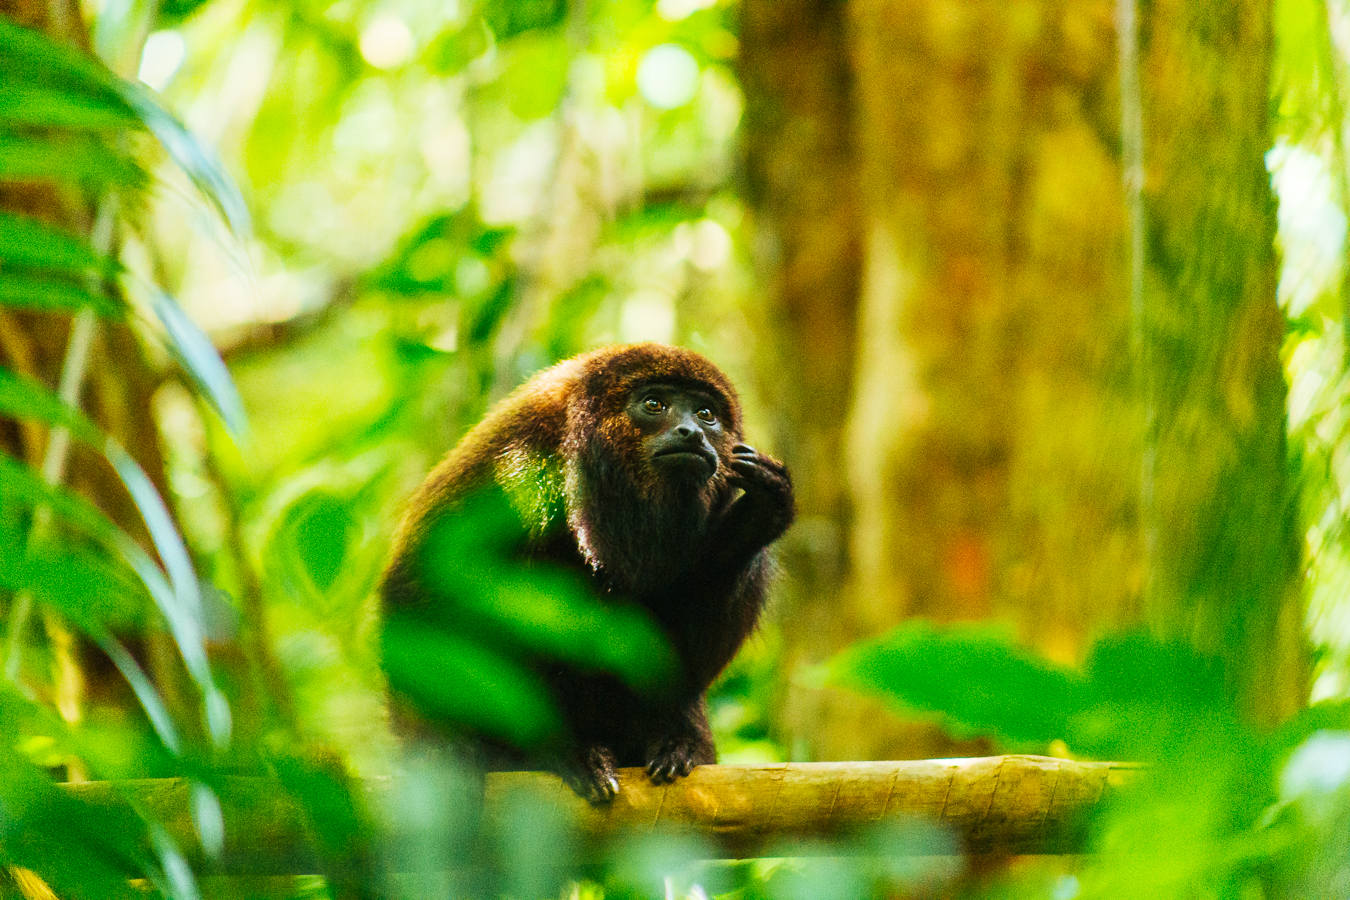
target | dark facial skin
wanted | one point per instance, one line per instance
(681, 429)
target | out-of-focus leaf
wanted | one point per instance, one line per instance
(535, 74)
(508, 18)
(538, 841)
(1305, 82)
(51, 84)
(452, 51)
(319, 528)
(43, 105)
(67, 158)
(173, 12)
(470, 563)
(971, 674)
(199, 359)
(1148, 698)
(460, 681)
(85, 588)
(26, 399)
(28, 242)
(30, 57)
(481, 319)
(197, 160)
(81, 850)
(334, 815)
(644, 863)
(36, 291)
(182, 606)
(571, 314)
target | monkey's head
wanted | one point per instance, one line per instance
(654, 419)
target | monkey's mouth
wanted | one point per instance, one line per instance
(687, 455)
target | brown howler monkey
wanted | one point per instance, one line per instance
(648, 491)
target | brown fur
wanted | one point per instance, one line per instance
(691, 550)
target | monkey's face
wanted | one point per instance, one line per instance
(680, 428)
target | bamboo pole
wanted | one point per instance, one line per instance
(996, 804)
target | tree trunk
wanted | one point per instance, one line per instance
(1025, 440)
(1220, 518)
(993, 453)
(801, 180)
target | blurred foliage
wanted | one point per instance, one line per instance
(1221, 811)
(445, 197)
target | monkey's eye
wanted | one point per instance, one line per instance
(707, 415)
(653, 405)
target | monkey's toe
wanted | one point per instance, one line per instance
(675, 759)
(591, 773)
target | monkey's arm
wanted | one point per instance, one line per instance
(758, 517)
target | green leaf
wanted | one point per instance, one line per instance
(81, 850)
(319, 528)
(971, 674)
(33, 291)
(83, 160)
(143, 688)
(28, 242)
(94, 595)
(23, 484)
(471, 563)
(50, 84)
(180, 600)
(30, 57)
(199, 359)
(197, 160)
(456, 680)
(45, 106)
(23, 398)
(508, 18)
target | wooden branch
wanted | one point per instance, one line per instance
(1004, 804)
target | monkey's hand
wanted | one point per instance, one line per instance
(761, 515)
(591, 773)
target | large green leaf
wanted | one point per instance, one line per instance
(29, 59)
(80, 849)
(971, 674)
(460, 681)
(26, 399)
(471, 562)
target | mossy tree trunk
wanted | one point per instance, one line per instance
(1220, 515)
(1029, 437)
(801, 174)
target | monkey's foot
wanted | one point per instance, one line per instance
(674, 758)
(592, 774)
